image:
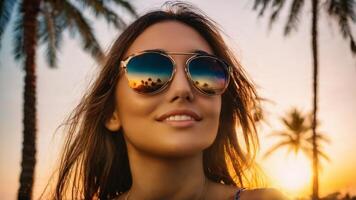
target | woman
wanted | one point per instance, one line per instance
(162, 118)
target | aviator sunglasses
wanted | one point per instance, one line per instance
(151, 71)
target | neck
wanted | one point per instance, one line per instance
(166, 178)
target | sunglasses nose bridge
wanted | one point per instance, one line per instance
(180, 65)
(180, 83)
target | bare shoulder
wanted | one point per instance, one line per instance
(262, 194)
(221, 191)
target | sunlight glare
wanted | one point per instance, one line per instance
(293, 174)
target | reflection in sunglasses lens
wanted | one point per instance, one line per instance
(149, 72)
(209, 74)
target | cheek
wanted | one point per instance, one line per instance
(215, 107)
(133, 108)
(136, 114)
(212, 109)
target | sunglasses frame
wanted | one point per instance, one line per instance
(194, 55)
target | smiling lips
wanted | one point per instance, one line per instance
(179, 115)
(180, 118)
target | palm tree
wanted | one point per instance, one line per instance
(343, 12)
(43, 21)
(297, 135)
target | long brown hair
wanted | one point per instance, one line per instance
(94, 161)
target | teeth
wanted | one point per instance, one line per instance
(179, 118)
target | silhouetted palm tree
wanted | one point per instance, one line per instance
(44, 21)
(297, 136)
(343, 11)
(295, 133)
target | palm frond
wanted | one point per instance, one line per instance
(295, 121)
(352, 45)
(341, 7)
(319, 137)
(76, 21)
(287, 123)
(282, 134)
(279, 133)
(343, 12)
(6, 8)
(293, 147)
(292, 22)
(101, 10)
(277, 5)
(126, 5)
(309, 153)
(323, 155)
(263, 3)
(19, 46)
(275, 147)
(50, 33)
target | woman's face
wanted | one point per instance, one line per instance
(145, 118)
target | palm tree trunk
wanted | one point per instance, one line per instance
(315, 15)
(30, 11)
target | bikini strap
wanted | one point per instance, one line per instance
(238, 193)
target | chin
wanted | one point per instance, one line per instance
(181, 149)
(171, 147)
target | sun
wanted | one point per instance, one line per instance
(292, 173)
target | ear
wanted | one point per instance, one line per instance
(113, 123)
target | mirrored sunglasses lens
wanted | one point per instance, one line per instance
(209, 74)
(148, 72)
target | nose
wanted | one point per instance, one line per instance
(180, 88)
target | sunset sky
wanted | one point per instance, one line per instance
(279, 66)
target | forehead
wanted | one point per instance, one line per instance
(169, 36)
